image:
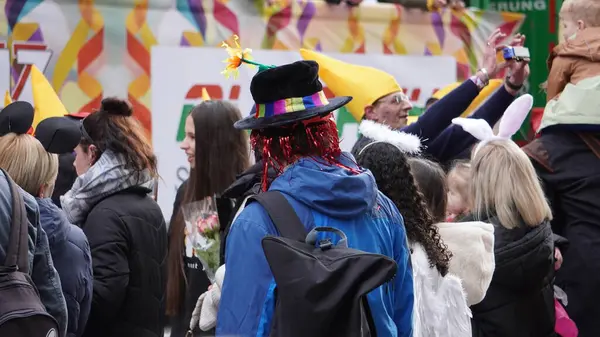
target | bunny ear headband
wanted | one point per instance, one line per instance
(510, 123)
(379, 133)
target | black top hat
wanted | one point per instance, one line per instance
(288, 94)
(58, 134)
(16, 117)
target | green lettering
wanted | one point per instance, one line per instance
(184, 114)
(343, 117)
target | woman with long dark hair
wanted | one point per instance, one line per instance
(440, 303)
(217, 153)
(110, 200)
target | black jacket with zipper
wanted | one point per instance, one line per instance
(520, 299)
(128, 242)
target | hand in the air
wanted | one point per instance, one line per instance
(489, 62)
(518, 70)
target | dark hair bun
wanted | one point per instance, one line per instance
(116, 107)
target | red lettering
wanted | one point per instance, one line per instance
(415, 95)
(214, 91)
(25, 68)
(328, 93)
(234, 93)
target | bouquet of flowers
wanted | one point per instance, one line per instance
(202, 234)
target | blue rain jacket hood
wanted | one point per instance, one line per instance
(322, 195)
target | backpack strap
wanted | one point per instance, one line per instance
(282, 214)
(592, 142)
(18, 248)
(536, 151)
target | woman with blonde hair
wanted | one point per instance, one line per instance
(32, 163)
(34, 168)
(506, 192)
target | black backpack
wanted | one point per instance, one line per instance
(22, 313)
(321, 288)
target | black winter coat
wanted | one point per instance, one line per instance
(128, 241)
(520, 299)
(570, 171)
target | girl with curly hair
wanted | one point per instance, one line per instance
(471, 242)
(440, 304)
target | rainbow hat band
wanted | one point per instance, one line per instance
(292, 104)
(288, 94)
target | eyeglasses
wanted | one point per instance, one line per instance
(396, 99)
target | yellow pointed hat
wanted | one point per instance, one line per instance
(364, 84)
(478, 101)
(7, 98)
(45, 100)
(205, 95)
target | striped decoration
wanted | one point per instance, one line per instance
(292, 104)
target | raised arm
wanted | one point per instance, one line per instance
(440, 114)
(454, 141)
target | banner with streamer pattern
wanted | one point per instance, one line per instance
(104, 50)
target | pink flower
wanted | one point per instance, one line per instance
(202, 225)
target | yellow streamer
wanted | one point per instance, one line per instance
(7, 98)
(140, 86)
(91, 20)
(357, 33)
(67, 58)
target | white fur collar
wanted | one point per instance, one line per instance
(380, 133)
(472, 247)
(441, 308)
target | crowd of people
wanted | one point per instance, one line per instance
(441, 227)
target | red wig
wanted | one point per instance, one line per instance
(316, 137)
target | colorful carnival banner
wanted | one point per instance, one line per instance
(160, 53)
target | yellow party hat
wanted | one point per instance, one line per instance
(478, 101)
(364, 84)
(7, 98)
(45, 100)
(205, 95)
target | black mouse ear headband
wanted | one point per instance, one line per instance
(16, 117)
(56, 134)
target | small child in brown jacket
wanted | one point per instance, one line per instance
(578, 57)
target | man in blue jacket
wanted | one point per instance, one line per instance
(294, 128)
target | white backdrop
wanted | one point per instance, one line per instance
(177, 69)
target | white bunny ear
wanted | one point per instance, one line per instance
(478, 128)
(406, 142)
(514, 116)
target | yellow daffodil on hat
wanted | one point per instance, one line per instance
(484, 94)
(237, 56)
(365, 84)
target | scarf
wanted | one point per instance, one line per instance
(109, 175)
